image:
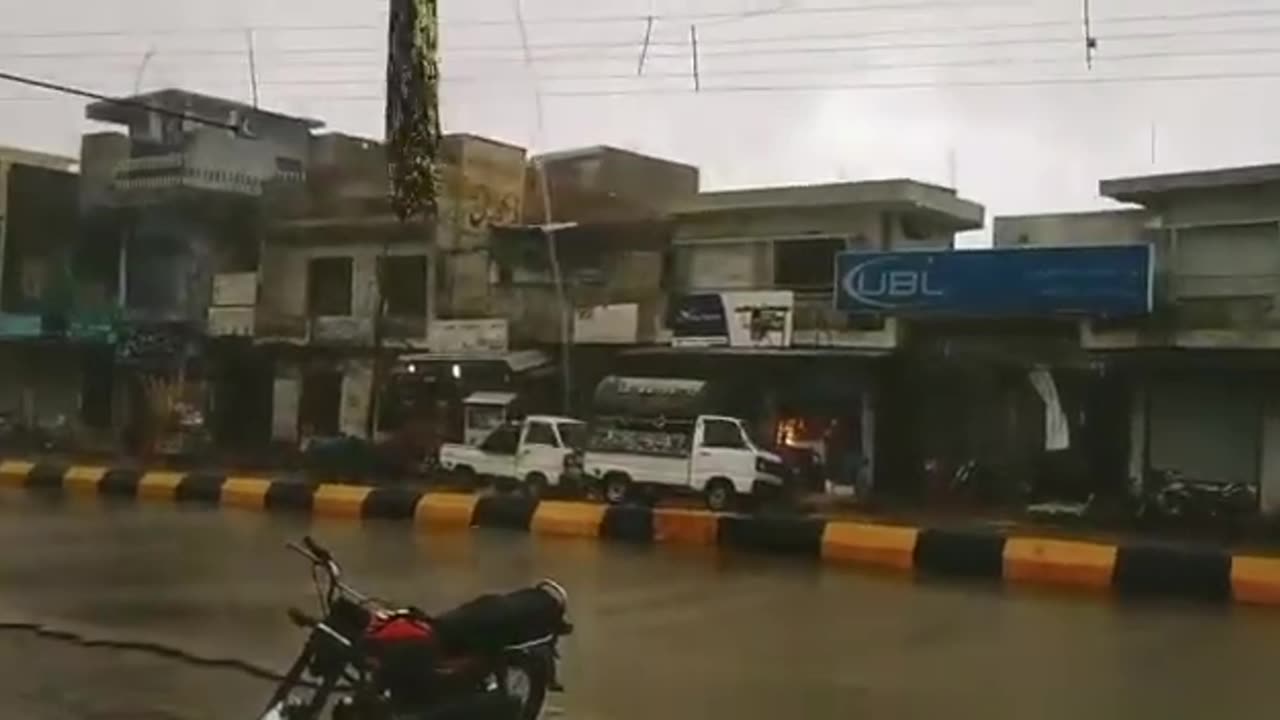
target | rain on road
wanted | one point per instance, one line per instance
(661, 632)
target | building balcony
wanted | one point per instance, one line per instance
(178, 170)
(265, 325)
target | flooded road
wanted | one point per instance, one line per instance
(661, 632)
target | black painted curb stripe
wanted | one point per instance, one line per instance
(975, 554)
(201, 487)
(292, 496)
(508, 512)
(120, 482)
(1172, 571)
(627, 523)
(391, 503)
(799, 536)
(46, 476)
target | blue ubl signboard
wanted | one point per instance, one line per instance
(1099, 281)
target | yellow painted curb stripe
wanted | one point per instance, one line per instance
(1255, 580)
(159, 486)
(13, 473)
(571, 519)
(445, 510)
(343, 501)
(83, 479)
(244, 493)
(685, 527)
(1059, 562)
(885, 546)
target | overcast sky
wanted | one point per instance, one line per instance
(994, 94)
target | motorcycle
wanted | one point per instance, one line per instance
(493, 657)
(1171, 496)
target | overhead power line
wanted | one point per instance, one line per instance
(124, 102)
(681, 39)
(236, 31)
(713, 51)
(766, 89)
(805, 71)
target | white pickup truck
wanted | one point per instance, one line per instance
(539, 452)
(711, 454)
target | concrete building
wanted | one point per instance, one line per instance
(38, 232)
(750, 283)
(169, 204)
(1203, 399)
(344, 292)
(1104, 227)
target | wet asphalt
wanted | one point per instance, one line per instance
(661, 632)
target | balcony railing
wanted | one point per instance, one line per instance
(175, 170)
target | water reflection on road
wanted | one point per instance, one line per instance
(661, 632)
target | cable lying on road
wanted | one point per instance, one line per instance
(153, 648)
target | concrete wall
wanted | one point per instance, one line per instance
(532, 305)
(734, 250)
(1109, 227)
(284, 273)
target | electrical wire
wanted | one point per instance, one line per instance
(520, 58)
(632, 44)
(123, 102)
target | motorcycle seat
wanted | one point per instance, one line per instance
(492, 622)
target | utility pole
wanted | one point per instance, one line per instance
(413, 141)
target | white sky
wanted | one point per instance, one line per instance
(1030, 143)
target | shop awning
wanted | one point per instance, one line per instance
(517, 361)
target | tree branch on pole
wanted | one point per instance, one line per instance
(413, 140)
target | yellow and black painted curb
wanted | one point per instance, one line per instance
(1131, 569)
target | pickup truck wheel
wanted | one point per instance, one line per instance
(617, 488)
(720, 495)
(535, 485)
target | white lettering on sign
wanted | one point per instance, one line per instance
(870, 284)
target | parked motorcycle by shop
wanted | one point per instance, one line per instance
(1172, 498)
(493, 657)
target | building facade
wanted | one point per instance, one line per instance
(751, 303)
(1197, 372)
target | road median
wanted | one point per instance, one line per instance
(1202, 572)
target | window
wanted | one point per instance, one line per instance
(329, 286)
(722, 434)
(502, 441)
(574, 435)
(287, 165)
(404, 284)
(805, 264)
(540, 434)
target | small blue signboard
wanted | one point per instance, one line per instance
(1098, 281)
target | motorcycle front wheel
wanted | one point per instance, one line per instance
(524, 678)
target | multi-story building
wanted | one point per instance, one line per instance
(38, 231)
(169, 204)
(750, 277)
(1196, 370)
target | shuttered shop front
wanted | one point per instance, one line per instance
(1206, 428)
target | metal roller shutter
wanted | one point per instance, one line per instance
(1207, 429)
